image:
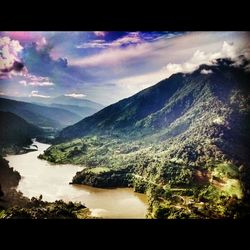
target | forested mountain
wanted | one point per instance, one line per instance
(16, 131)
(183, 141)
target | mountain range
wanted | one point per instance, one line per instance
(38, 115)
(183, 141)
(79, 106)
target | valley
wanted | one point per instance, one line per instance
(186, 148)
(176, 150)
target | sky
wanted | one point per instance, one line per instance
(106, 66)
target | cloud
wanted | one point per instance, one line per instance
(112, 56)
(130, 38)
(41, 43)
(34, 93)
(41, 84)
(100, 33)
(10, 63)
(228, 50)
(23, 36)
(205, 72)
(98, 43)
(32, 80)
(23, 82)
(76, 95)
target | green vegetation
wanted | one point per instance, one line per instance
(184, 142)
(38, 209)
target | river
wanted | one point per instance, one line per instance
(52, 181)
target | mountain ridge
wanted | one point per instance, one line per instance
(184, 142)
(39, 115)
(136, 111)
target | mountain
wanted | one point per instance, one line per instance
(184, 142)
(41, 116)
(68, 100)
(63, 100)
(172, 105)
(15, 130)
(79, 110)
(78, 106)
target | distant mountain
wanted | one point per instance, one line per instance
(67, 100)
(38, 115)
(80, 107)
(15, 130)
(79, 110)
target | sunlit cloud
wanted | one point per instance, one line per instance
(34, 93)
(76, 95)
(113, 56)
(32, 80)
(9, 53)
(23, 36)
(131, 38)
(41, 43)
(139, 82)
(206, 72)
(100, 33)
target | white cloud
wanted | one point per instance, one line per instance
(23, 82)
(98, 43)
(32, 80)
(100, 33)
(131, 38)
(34, 93)
(76, 95)
(112, 56)
(41, 84)
(139, 82)
(9, 51)
(205, 72)
(41, 43)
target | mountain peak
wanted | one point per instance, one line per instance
(159, 106)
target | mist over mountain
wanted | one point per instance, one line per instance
(79, 106)
(38, 115)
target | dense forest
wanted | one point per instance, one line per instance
(184, 142)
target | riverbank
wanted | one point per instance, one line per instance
(52, 181)
(13, 205)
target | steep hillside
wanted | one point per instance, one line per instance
(16, 131)
(183, 141)
(159, 106)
